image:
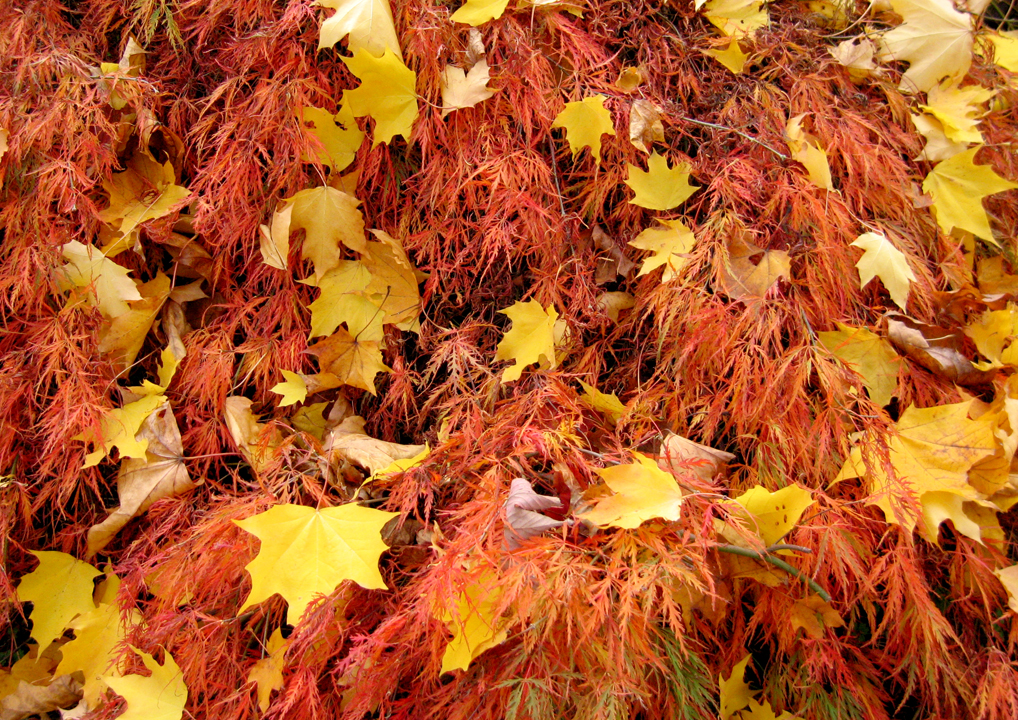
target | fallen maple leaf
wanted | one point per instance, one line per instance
(531, 339)
(958, 110)
(160, 696)
(737, 18)
(59, 589)
(338, 134)
(98, 634)
(107, 284)
(462, 89)
(368, 23)
(478, 12)
(958, 187)
(856, 54)
(630, 78)
(932, 451)
(641, 490)
(144, 191)
(29, 700)
(118, 429)
(607, 403)
(612, 303)
(735, 693)
(763, 711)
(993, 333)
(353, 361)
(936, 349)
(306, 552)
(329, 217)
(585, 122)
(881, 259)
(247, 432)
(342, 300)
(1005, 50)
(1009, 579)
(267, 673)
(388, 93)
(806, 150)
(813, 615)
(143, 481)
(751, 271)
(938, 147)
(671, 242)
(121, 338)
(473, 621)
(935, 39)
(522, 519)
(293, 389)
(394, 280)
(772, 515)
(731, 57)
(868, 354)
(348, 441)
(645, 126)
(660, 187)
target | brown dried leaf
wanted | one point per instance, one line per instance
(751, 271)
(160, 474)
(30, 700)
(609, 268)
(522, 519)
(681, 456)
(937, 349)
(349, 442)
(247, 432)
(645, 126)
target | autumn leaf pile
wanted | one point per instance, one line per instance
(521, 359)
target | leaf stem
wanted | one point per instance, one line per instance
(778, 563)
(761, 143)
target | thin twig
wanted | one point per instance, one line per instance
(761, 143)
(768, 558)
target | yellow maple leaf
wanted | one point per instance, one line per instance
(771, 515)
(585, 122)
(478, 12)
(107, 284)
(1009, 579)
(353, 360)
(806, 150)
(932, 451)
(328, 217)
(856, 55)
(671, 242)
(473, 621)
(59, 589)
(144, 191)
(641, 490)
(462, 89)
(881, 259)
(958, 109)
(267, 673)
(751, 271)
(731, 57)
(763, 711)
(994, 333)
(737, 18)
(307, 552)
(394, 280)
(142, 481)
(160, 696)
(934, 38)
(1005, 50)
(938, 147)
(118, 429)
(341, 299)
(660, 187)
(813, 615)
(247, 432)
(607, 403)
(122, 337)
(531, 339)
(735, 693)
(293, 389)
(868, 354)
(311, 419)
(98, 634)
(388, 93)
(958, 186)
(368, 23)
(338, 134)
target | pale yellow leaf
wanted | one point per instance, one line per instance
(367, 25)
(462, 89)
(881, 259)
